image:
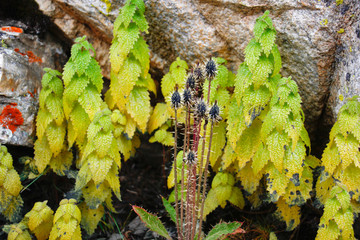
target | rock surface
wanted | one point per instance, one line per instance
(197, 30)
(22, 59)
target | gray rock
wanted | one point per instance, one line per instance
(197, 30)
(22, 59)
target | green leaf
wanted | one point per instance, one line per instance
(126, 14)
(259, 28)
(122, 45)
(221, 230)
(280, 115)
(262, 70)
(94, 73)
(170, 209)
(348, 148)
(140, 21)
(267, 41)
(252, 54)
(138, 106)
(141, 53)
(82, 61)
(277, 60)
(151, 221)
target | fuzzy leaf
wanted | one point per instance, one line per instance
(252, 54)
(158, 117)
(249, 180)
(151, 221)
(291, 215)
(267, 40)
(242, 81)
(210, 203)
(138, 107)
(262, 70)
(56, 136)
(90, 217)
(277, 60)
(170, 209)
(124, 17)
(276, 143)
(141, 53)
(90, 101)
(122, 45)
(221, 230)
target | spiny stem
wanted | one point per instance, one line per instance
(175, 178)
(185, 148)
(205, 178)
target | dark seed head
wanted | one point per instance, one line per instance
(175, 99)
(198, 74)
(190, 81)
(187, 97)
(190, 157)
(210, 69)
(200, 110)
(214, 113)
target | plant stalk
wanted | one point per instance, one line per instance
(175, 179)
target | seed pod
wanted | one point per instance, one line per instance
(187, 97)
(214, 113)
(210, 69)
(176, 99)
(190, 81)
(190, 157)
(200, 110)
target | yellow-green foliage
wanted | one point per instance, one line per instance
(100, 162)
(223, 190)
(338, 217)
(66, 223)
(90, 217)
(50, 146)
(129, 57)
(19, 231)
(83, 84)
(10, 186)
(40, 220)
(338, 185)
(265, 131)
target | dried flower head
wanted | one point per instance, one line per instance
(198, 74)
(214, 113)
(176, 99)
(210, 69)
(190, 81)
(190, 157)
(187, 97)
(200, 109)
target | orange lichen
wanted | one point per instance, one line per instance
(11, 117)
(32, 57)
(12, 29)
(31, 94)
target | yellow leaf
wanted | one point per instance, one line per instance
(90, 218)
(323, 189)
(95, 195)
(276, 182)
(124, 146)
(138, 107)
(158, 117)
(351, 178)
(210, 203)
(42, 154)
(291, 215)
(113, 180)
(99, 168)
(276, 143)
(130, 127)
(179, 162)
(260, 159)
(223, 193)
(329, 231)
(249, 180)
(40, 220)
(56, 136)
(237, 198)
(331, 158)
(248, 143)
(229, 156)
(61, 162)
(293, 160)
(19, 232)
(12, 183)
(348, 148)
(102, 143)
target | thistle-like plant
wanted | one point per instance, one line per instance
(51, 145)
(130, 78)
(83, 84)
(189, 175)
(10, 187)
(338, 185)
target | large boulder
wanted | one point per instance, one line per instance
(22, 59)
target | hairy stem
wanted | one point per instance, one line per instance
(175, 179)
(205, 178)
